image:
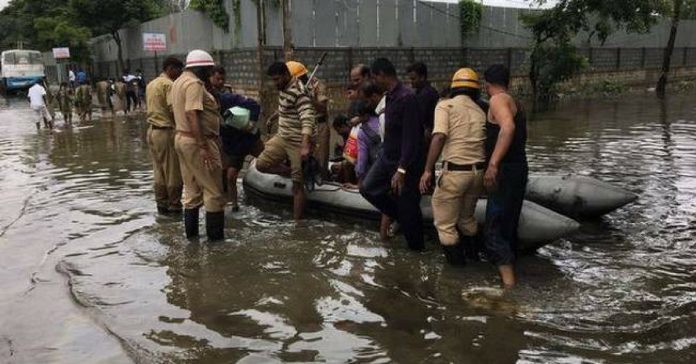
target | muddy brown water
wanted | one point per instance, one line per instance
(89, 273)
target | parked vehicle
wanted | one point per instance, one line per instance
(20, 69)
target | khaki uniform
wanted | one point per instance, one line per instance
(202, 186)
(83, 100)
(103, 95)
(65, 103)
(160, 138)
(321, 152)
(296, 119)
(120, 90)
(463, 123)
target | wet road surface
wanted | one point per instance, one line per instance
(89, 272)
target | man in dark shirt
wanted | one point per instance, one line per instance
(426, 94)
(391, 184)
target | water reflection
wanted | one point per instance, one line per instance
(622, 290)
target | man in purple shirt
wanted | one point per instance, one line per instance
(426, 94)
(369, 139)
(391, 184)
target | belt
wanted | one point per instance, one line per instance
(449, 166)
(190, 135)
(160, 127)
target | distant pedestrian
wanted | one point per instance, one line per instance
(83, 101)
(141, 88)
(160, 138)
(391, 185)
(72, 78)
(37, 101)
(82, 78)
(119, 89)
(104, 96)
(197, 143)
(458, 136)
(66, 99)
(131, 83)
(506, 173)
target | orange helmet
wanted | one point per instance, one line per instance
(296, 69)
(465, 77)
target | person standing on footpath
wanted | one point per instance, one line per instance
(391, 184)
(197, 143)
(236, 144)
(160, 138)
(459, 134)
(320, 100)
(293, 141)
(506, 173)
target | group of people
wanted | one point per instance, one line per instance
(401, 134)
(43, 101)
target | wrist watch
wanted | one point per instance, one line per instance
(401, 170)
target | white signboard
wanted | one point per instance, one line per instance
(61, 53)
(154, 42)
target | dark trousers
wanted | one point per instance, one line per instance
(131, 99)
(405, 208)
(503, 213)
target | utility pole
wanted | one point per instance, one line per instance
(288, 47)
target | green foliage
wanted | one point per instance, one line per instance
(470, 13)
(554, 58)
(108, 16)
(215, 10)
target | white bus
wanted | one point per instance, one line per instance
(20, 69)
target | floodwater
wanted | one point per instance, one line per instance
(89, 273)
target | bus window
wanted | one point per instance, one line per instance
(9, 59)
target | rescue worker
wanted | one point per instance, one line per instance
(104, 96)
(320, 100)
(459, 135)
(197, 143)
(506, 173)
(236, 144)
(83, 101)
(51, 102)
(119, 89)
(296, 128)
(66, 99)
(160, 138)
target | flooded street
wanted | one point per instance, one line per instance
(89, 273)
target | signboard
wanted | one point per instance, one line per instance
(154, 42)
(61, 53)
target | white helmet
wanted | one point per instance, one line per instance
(199, 58)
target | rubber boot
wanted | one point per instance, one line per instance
(162, 210)
(472, 247)
(215, 225)
(191, 223)
(454, 254)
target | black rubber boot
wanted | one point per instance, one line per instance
(191, 222)
(162, 210)
(215, 225)
(454, 254)
(472, 247)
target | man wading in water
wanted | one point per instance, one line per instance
(506, 174)
(391, 184)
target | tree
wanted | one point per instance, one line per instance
(554, 58)
(109, 16)
(677, 10)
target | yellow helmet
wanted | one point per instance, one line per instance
(296, 69)
(465, 77)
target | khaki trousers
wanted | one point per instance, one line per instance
(321, 152)
(165, 164)
(202, 186)
(454, 204)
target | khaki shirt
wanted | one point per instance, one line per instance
(159, 112)
(320, 95)
(189, 94)
(463, 122)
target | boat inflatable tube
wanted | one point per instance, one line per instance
(575, 195)
(538, 225)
